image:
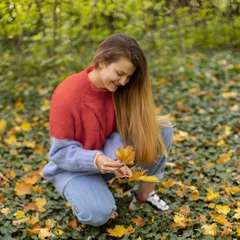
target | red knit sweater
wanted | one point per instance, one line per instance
(81, 112)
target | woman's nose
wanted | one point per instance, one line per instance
(124, 80)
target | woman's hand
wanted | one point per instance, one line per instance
(123, 172)
(107, 165)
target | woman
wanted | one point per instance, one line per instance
(92, 114)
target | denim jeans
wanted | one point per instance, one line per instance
(90, 197)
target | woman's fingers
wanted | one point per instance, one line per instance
(107, 165)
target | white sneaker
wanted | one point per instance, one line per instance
(153, 200)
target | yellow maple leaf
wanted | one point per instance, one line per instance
(19, 106)
(34, 219)
(138, 221)
(169, 183)
(22, 188)
(32, 177)
(238, 231)
(185, 210)
(5, 211)
(224, 157)
(195, 194)
(58, 231)
(41, 202)
(45, 233)
(26, 127)
(20, 214)
(210, 229)
(30, 144)
(50, 223)
(226, 231)
(231, 190)
(3, 126)
(211, 205)
(180, 136)
(225, 209)
(229, 94)
(137, 175)
(152, 179)
(211, 195)
(180, 222)
(221, 219)
(181, 191)
(127, 155)
(11, 139)
(178, 218)
(237, 215)
(120, 230)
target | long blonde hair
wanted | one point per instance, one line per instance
(134, 104)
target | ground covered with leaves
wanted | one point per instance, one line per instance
(201, 180)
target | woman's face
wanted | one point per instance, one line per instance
(115, 74)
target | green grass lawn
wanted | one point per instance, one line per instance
(202, 177)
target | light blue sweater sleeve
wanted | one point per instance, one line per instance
(69, 155)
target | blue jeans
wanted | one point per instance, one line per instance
(90, 197)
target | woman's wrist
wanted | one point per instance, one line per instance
(95, 159)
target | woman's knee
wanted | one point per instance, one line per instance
(95, 217)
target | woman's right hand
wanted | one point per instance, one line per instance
(107, 165)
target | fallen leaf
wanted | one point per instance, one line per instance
(226, 231)
(126, 155)
(41, 202)
(211, 195)
(225, 209)
(169, 183)
(22, 188)
(26, 127)
(138, 221)
(237, 214)
(45, 233)
(210, 229)
(120, 230)
(3, 126)
(5, 211)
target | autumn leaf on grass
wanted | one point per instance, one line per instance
(225, 209)
(5, 211)
(3, 126)
(226, 231)
(237, 214)
(180, 222)
(211, 195)
(22, 188)
(138, 221)
(231, 190)
(210, 229)
(120, 230)
(45, 233)
(32, 177)
(20, 218)
(126, 155)
(221, 219)
(137, 175)
(169, 183)
(40, 202)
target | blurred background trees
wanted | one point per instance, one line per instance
(58, 37)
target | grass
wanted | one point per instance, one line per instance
(201, 179)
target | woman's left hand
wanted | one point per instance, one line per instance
(124, 172)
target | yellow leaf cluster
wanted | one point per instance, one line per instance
(127, 155)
